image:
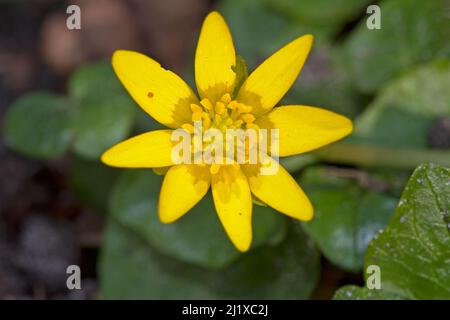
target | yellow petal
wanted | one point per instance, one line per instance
(183, 187)
(214, 59)
(268, 83)
(303, 128)
(280, 191)
(161, 93)
(233, 202)
(148, 150)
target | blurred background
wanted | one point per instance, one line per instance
(59, 206)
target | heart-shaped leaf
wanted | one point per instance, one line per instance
(413, 252)
(131, 269)
(412, 32)
(197, 237)
(402, 113)
(39, 125)
(347, 215)
(351, 292)
(105, 113)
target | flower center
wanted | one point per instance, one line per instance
(225, 115)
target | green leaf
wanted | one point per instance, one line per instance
(412, 32)
(351, 292)
(320, 12)
(258, 30)
(130, 268)
(321, 84)
(347, 215)
(91, 182)
(413, 252)
(289, 270)
(38, 125)
(106, 113)
(197, 237)
(145, 123)
(416, 99)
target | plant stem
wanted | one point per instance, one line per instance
(376, 156)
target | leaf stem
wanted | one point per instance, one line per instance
(376, 156)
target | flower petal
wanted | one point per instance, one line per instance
(303, 128)
(214, 59)
(183, 187)
(161, 93)
(280, 191)
(268, 83)
(233, 202)
(148, 150)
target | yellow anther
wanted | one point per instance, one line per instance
(196, 108)
(206, 103)
(206, 120)
(226, 98)
(220, 107)
(228, 122)
(252, 126)
(242, 108)
(232, 105)
(222, 115)
(197, 116)
(214, 168)
(237, 124)
(248, 118)
(188, 127)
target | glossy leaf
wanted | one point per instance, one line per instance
(402, 113)
(198, 236)
(39, 125)
(289, 270)
(347, 215)
(413, 252)
(258, 30)
(322, 84)
(105, 113)
(131, 269)
(412, 32)
(351, 292)
(91, 182)
(320, 11)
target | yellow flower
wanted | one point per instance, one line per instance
(169, 100)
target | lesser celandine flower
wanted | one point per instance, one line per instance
(169, 100)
